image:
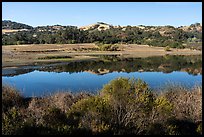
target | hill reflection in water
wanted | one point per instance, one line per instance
(91, 75)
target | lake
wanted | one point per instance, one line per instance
(91, 75)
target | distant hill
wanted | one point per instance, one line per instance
(7, 24)
(100, 32)
(50, 28)
(192, 28)
(99, 26)
(163, 30)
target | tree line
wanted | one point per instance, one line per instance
(7, 24)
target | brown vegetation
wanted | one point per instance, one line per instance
(16, 55)
(124, 106)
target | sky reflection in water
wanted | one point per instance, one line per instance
(38, 83)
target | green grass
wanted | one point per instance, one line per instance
(55, 57)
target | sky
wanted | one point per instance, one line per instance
(114, 13)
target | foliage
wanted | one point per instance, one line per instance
(173, 37)
(10, 98)
(12, 122)
(199, 129)
(134, 106)
(7, 24)
(180, 127)
(108, 47)
(187, 104)
(55, 57)
(191, 64)
(167, 48)
(124, 106)
(90, 114)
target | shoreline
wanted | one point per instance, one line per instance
(24, 55)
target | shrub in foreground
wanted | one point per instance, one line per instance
(187, 103)
(10, 98)
(124, 106)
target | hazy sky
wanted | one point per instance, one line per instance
(115, 13)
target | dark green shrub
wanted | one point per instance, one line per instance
(12, 122)
(199, 128)
(90, 114)
(156, 129)
(180, 127)
(167, 48)
(129, 100)
(55, 120)
(108, 47)
(54, 117)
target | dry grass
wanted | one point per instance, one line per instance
(187, 102)
(10, 98)
(9, 30)
(14, 55)
(60, 100)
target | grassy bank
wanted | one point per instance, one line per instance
(123, 106)
(18, 55)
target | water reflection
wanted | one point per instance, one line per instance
(108, 64)
(91, 75)
(38, 82)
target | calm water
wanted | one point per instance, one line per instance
(90, 76)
